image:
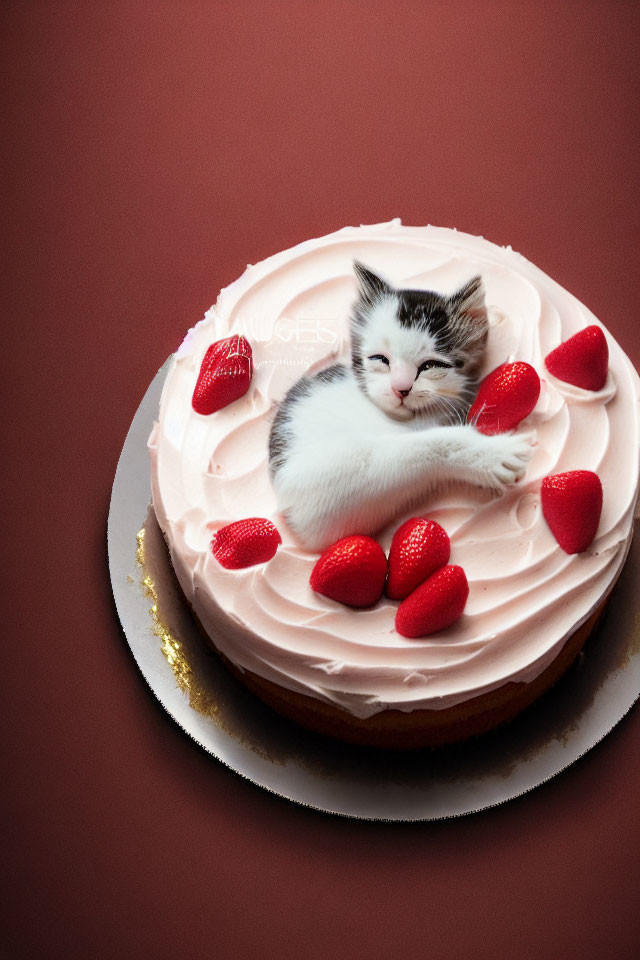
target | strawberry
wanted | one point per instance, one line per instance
(224, 376)
(245, 543)
(582, 360)
(419, 548)
(352, 571)
(571, 505)
(435, 604)
(505, 397)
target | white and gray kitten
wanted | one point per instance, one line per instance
(352, 447)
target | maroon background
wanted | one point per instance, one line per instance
(154, 149)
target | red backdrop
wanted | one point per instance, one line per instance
(153, 150)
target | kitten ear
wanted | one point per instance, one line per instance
(372, 287)
(469, 316)
(469, 299)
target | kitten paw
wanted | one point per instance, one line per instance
(505, 460)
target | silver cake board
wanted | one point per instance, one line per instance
(228, 722)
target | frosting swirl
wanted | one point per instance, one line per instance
(526, 595)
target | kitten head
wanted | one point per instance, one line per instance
(415, 353)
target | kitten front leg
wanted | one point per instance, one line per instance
(491, 462)
(427, 458)
(336, 490)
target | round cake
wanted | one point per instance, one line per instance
(531, 604)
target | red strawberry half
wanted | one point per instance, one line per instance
(419, 547)
(505, 397)
(352, 571)
(582, 360)
(571, 505)
(245, 543)
(224, 376)
(435, 604)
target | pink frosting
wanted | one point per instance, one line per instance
(526, 595)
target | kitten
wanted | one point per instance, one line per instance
(352, 447)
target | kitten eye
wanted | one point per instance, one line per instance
(433, 365)
(379, 356)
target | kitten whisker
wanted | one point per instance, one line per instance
(454, 410)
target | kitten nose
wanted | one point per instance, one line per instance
(402, 376)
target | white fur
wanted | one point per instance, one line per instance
(351, 467)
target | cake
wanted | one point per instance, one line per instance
(532, 603)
